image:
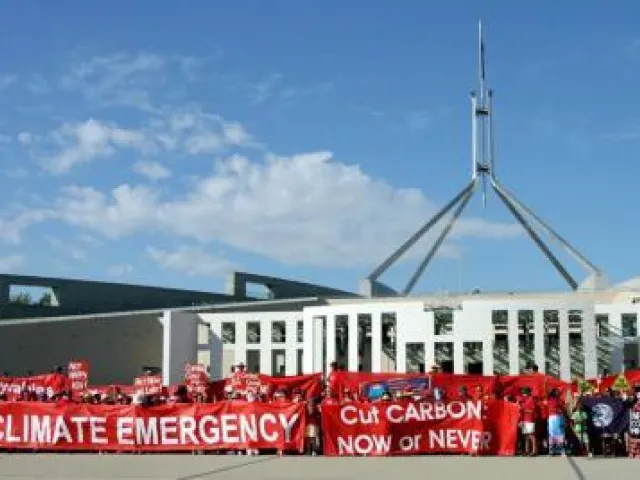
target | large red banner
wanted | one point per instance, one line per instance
(406, 428)
(539, 384)
(225, 425)
(47, 384)
(310, 385)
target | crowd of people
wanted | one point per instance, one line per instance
(550, 423)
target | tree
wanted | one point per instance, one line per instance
(22, 298)
(46, 300)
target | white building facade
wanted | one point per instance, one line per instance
(565, 334)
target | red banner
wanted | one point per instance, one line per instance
(450, 383)
(241, 425)
(310, 385)
(405, 428)
(38, 385)
(477, 386)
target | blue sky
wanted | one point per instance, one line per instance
(148, 142)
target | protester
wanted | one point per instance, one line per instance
(579, 420)
(528, 416)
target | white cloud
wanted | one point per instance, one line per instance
(190, 131)
(119, 270)
(125, 211)
(18, 173)
(190, 260)
(11, 229)
(25, 138)
(304, 209)
(259, 92)
(67, 248)
(129, 80)
(9, 263)
(38, 85)
(83, 142)
(7, 79)
(116, 79)
(152, 170)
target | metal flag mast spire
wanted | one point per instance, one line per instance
(483, 171)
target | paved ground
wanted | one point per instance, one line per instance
(187, 467)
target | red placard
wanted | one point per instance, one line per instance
(196, 378)
(225, 425)
(148, 384)
(78, 373)
(406, 428)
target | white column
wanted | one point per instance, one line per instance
(291, 347)
(401, 345)
(514, 347)
(589, 342)
(317, 343)
(179, 344)
(353, 343)
(487, 356)
(217, 349)
(538, 342)
(458, 355)
(266, 348)
(331, 340)
(430, 345)
(310, 348)
(376, 342)
(565, 354)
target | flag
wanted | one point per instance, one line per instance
(607, 415)
(621, 384)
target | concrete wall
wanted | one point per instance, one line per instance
(117, 348)
(179, 344)
(77, 297)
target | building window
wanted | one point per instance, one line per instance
(443, 352)
(253, 332)
(300, 359)
(443, 322)
(253, 361)
(342, 340)
(473, 361)
(576, 343)
(204, 330)
(388, 342)
(415, 357)
(526, 339)
(278, 363)
(364, 342)
(551, 342)
(500, 320)
(300, 331)
(279, 332)
(228, 333)
(629, 325)
(602, 325)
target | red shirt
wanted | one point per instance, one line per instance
(529, 410)
(553, 406)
